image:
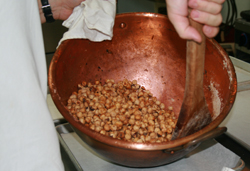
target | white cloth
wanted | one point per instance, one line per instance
(28, 140)
(92, 19)
(226, 169)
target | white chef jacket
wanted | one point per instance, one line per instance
(28, 140)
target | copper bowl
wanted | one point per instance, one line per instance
(145, 47)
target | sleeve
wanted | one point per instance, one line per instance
(28, 140)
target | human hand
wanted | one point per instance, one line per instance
(61, 9)
(206, 12)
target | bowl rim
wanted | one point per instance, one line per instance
(142, 146)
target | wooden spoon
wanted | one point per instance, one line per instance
(194, 114)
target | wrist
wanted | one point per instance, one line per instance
(54, 10)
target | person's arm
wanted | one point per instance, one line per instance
(61, 9)
(206, 12)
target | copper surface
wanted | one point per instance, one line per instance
(145, 47)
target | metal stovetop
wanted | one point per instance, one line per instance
(71, 164)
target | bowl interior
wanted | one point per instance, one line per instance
(145, 47)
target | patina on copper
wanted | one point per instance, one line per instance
(145, 47)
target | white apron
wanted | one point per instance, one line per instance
(28, 140)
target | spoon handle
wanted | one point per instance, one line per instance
(195, 59)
